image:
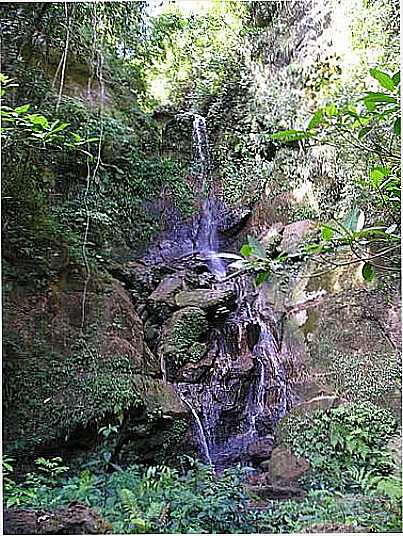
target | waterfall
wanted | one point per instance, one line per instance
(243, 394)
(207, 241)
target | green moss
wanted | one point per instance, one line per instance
(48, 396)
(366, 376)
(186, 327)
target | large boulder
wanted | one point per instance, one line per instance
(206, 298)
(295, 234)
(166, 290)
(283, 467)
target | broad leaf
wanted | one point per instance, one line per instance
(327, 233)
(246, 250)
(22, 109)
(291, 135)
(383, 78)
(368, 272)
(315, 119)
(377, 175)
(261, 278)
(331, 110)
(396, 78)
(38, 120)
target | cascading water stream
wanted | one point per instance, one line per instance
(207, 233)
(245, 373)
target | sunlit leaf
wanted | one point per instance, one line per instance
(331, 110)
(38, 120)
(377, 175)
(383, 78)
(315, 119)
(327, 233)
(22, 109)
(291, 135)
(246, 250)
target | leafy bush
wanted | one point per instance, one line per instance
(161, 499)
(348, 438)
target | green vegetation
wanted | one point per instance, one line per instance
(161, 499)
(342, 443)
(302, 110)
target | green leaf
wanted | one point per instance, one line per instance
(331, 110)
(373, 96)
(291, 135)
(261, 278)
(397, 126)
(368, 272)
(246, 250)
(383, 78)
(327, 233)
(57, 127)
(38, 120)
(315, 119)
(396, 78)
(257, 249)
(377, 175)
(313, 248)
(22, 109)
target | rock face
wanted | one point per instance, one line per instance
(75, 519)
(66, 377)
(206, 298)
(294, 234)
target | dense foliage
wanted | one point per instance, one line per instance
(96, 107)
(161, 499)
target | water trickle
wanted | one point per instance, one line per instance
(181, 389)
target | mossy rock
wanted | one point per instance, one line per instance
(181, 337)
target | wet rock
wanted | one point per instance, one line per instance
(294, 235)
(75, 519)
(232, 221)
(151, 362)
(261, 448)
(194, 372)
(284, 467)
(166, 290)
(159, 395)
(206, 298)
(272, 236)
